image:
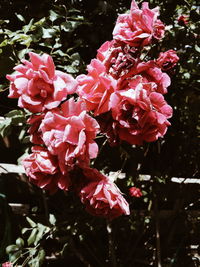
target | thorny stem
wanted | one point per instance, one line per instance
(158, 248)
(111, 249)
(157, 223)
(78, 254)
(46, 209)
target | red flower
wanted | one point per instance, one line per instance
(117, 58)
(42, 169)
(167, 60)
(135, 192)
(150, 73)
(38, 85)
(139, 113)
(183, 20)
(96, 87)
(69, 133)
(102, 197)
(139, 26)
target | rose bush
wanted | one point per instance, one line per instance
(120, 97)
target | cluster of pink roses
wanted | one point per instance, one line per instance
(63, 134)
(123, 93)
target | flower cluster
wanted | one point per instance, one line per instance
(124, 91)
(63, 136)
(121, 96)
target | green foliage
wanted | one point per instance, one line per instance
(6, 223)
(46, 34)
(12, 119)
(32, 255)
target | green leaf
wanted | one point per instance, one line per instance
(75, 24)
(46, 44)
(4, 43)
(20, 17)
(40, 233)
(15, 256)
(74, 10)
(32, 223)
(34, 262)
(53, 16)
(11, 248)
(42, 230)
(32, 251)
(52, 219)
(4, 21)
(57, 44)
(66, 26)
(197, 48)
(27, 27)
(20, 242)
(60, 53)
(71, 69)
(75, 56)
(17, 117)
(20, 160)
(41, 255)
(24, 230)
(32, 237)
(186, 75)
(14, 113)
(48, 33)
(21, 54)
(5, 127)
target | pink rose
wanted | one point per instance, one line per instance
(118, 59)
(38, 85)
(140, 115)
(139, 26)
(42, 169)
(7, 264)
(135, 192)
(102, 197)
(69, 133)
(35, 134)
(167, 60)
(149, 72)
(159, 30)
(96, 87)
